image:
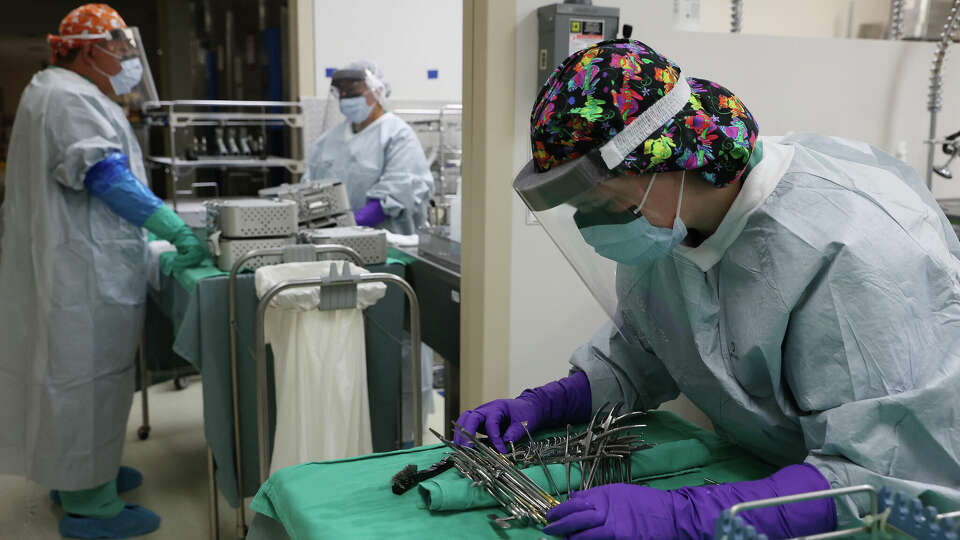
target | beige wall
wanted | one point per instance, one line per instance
(302, 49)
(488, 124)
(806, 18)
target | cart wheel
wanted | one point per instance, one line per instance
(181, 383)
(143, 432)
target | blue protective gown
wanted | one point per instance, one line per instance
(827, 331)
(384, 161)
(72, 289)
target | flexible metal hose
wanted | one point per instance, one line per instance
(936, 81)
(895, 30)
(736, 16)
(936, 73)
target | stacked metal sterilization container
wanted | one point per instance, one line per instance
(238, 226)
(319, 204)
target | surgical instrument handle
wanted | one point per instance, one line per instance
(801, 497)
(261, 364)
(232, 307)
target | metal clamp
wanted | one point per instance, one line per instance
(294, 253)
(335, 280)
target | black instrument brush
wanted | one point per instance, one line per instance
(409, 476)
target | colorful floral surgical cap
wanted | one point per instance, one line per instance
(86, 20)
(598, 91)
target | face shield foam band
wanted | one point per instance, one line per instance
(652, 119)
(119, 34)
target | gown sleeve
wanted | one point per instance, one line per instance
(80, 137)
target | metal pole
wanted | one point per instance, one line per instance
(234, 386)
(144, 430)
(441, 154)
(895, 28)
(931, 148)
(212, 498)
(936, 83)
(173, 156)
(736, 16)
(261, 363)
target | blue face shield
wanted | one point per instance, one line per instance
(355, 109)
(628, 238)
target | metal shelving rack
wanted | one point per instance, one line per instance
(186, 114)
(448, 149)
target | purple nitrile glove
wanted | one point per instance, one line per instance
(560, 402)
(630, 511)
(370, 215)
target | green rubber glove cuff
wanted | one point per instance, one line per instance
(166, 224)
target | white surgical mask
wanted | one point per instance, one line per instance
(638, 241)
(131, 71)
(355, 109)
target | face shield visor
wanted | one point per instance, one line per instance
(584, 199)
(125, 45)
(350, 90)
(124, 42)
(121, 42)
(349, 83)
(146, 90)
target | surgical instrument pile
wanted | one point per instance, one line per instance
(601, 454)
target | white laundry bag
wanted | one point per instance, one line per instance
(323, 411)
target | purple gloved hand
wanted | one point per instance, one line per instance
(560, 402)
(371, 214)
(630, 511)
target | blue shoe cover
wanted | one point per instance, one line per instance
(127, 478)
(132, 521)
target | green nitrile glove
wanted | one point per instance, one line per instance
(167, 225)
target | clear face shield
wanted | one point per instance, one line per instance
(572, 201)
(125, 45)
(124, 42)
(129, 42)
(350, 90)
(594, 214)
(351, 83)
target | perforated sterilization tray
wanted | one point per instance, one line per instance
(256, 218)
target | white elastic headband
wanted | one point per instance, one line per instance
(652, 119)
(102, 35)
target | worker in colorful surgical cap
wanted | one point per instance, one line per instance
(73, 277)
(802, 291)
